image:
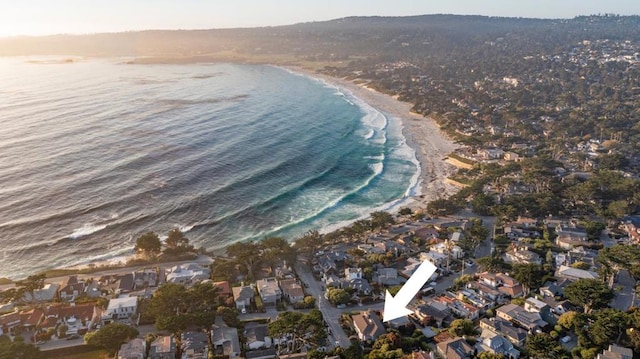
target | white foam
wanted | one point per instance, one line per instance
(185, 229)
(87, 229)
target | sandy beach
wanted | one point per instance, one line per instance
(422, 133)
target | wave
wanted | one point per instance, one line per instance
(85, 230)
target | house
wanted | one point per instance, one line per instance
(71, 288)
(225, 341)
(438, 259)
(616, 352)
(77, 318)
(292, 290)
(134, 349)
(243, 296)
(195, 345)
(443, 248)
(121, 309)
(552, 289)
(256, 336)
(509, 286)
(570, 273)
(164, 347)
(30, 319)
(570, 236)
(188, 273)
(527, 320)
(456, 348)
(487, 292)
(386, 276)
(117, 284)
(515, 335)
(522, 256)
(459, 307)
(261, 354)
(430, 315)
(145, 278)
(360, 286)
(427, 233)
(632, 227)
(269, 290)
(494, 343)
(45, 294)
(8, 322)
(368, 326)
(352, 273)
(224, 289)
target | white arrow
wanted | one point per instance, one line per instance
(396, 307)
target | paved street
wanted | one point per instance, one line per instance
(330, 313)
(625, 297)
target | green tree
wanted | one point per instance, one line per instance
(492, 263)
(572, 320)
(529, 275)
(309, 243)
(381, 219)
(275, 250)
(229, 316)
(176, 239)
(338, 296)
(302, 329)
(542, 346)
(589, 293)
(460, 327)
(490, 355)
(609, 326)
(111, 336)
(247, 254)
(148, 244)
(18, 349)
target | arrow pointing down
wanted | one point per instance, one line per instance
(396, 307)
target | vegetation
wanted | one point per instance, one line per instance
(302, 329)
(17, 349)
(589, 293)
(111, 336)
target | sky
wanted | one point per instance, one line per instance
(43, 17)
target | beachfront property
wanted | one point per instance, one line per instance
(121, 310)
(188, 273)
(292, 290)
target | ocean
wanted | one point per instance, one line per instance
(94, 153)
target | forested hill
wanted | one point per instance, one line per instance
(391, 37)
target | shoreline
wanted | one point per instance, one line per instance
(421, 133)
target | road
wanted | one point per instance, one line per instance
(330, 313)
(626, 296)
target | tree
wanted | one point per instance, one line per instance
(381, 219)
(309, 242)
(148, 244)
(542, 346)
(302, 329)
(18, 349)
(275, 250)
(490, 355)
(460, 327)
(609, 326)
(529, 275)
(247, 254)
(589, 293)
(111, 336)
(492, 263)
(338, 296)
(572, 320)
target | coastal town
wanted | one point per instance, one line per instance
(528, 210)
(501, 289)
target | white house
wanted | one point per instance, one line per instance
(120, 309)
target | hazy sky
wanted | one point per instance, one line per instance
(37, 17)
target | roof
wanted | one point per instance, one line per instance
(195, 341)
(255, 332)
(135, 348)
(78, 311)
(455, 349)
(32, 317)
(125, 302)
(8, 319)
(576, 273)
(505, 328)
(368, 324)
(616, 352)
(242, 293)
(521, 316)
(224, 288)
(163, 344)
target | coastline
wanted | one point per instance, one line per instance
(422, 134)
